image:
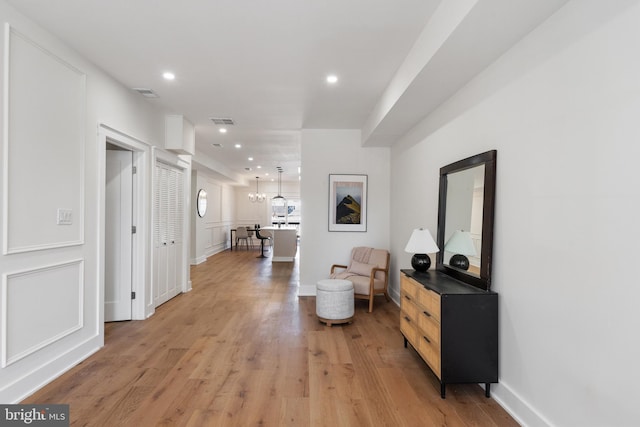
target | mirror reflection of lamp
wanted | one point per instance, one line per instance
(460, 244)
(420, 244)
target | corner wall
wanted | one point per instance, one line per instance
(561, 107)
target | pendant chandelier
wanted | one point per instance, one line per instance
(279, 199)
(257, 196)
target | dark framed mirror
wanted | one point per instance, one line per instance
(465, 219)
(201, 203)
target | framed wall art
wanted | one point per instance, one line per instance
(347, 202)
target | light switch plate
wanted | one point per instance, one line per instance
(65, 216)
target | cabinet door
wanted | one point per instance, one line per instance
(470, 338)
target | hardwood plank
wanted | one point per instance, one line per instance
(294, 412)
(243, 349)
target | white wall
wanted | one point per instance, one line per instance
(210, 234)
(327, 152)
(42, 337)
(562, 110)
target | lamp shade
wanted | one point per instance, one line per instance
(460, 243)
(421, 242)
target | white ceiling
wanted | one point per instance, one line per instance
(263, 63)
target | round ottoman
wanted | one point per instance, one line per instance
(334, 301)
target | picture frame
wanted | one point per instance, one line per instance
(347, 202)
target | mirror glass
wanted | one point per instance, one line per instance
(201, 203)
(465, 219)
(463, 232)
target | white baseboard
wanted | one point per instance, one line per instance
(307, 290)
(198, 260)
(36, 379)
(517, 407)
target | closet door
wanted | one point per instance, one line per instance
(169, 273)
(160, 234)
(175, 224)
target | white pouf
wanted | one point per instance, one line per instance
(334, 301)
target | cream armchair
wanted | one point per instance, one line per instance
(368, 270)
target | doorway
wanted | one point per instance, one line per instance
(118, 234)
(125, 218)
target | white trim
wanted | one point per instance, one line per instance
(518, 408)
(72, 362)
(199, 260)
(141, 216)
(6, 250)
(5, 140)
(307, 290)
(6, 361)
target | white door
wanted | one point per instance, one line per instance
(161, 235)
(118, 223)
(168, 268)
(175, 227)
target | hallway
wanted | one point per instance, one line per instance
(243, 349)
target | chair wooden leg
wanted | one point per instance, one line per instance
(370, 303)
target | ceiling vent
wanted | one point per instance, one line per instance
(222, 121)
(217, 145)
(147, 93)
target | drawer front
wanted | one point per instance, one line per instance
(410, 286)
(430, 301)
(408, 306)
(430, 352)
(429, 326)
(409, 329)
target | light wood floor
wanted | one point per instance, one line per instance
(242, 349)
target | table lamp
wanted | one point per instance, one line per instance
(460, 244)
(420, 244)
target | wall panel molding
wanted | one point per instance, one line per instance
(43, 148)
(39, 307)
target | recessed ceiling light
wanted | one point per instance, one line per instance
(332, 78)
(238, 145)
(259, 167)
(168, 75)
(222, 130)
(250, 159)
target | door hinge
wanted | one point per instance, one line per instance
(133, 229)
(133, 295)
(135, 170)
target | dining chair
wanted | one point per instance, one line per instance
(242, 234)
(250, 233)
